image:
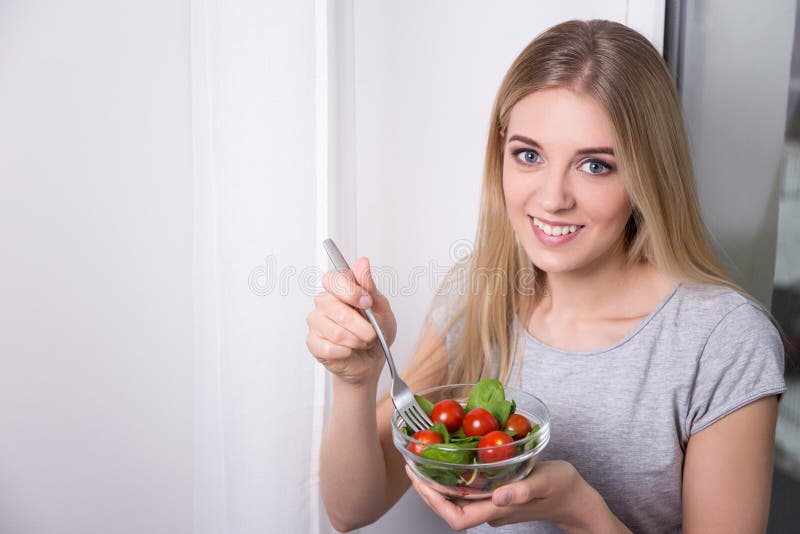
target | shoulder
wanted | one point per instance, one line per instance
(704, 311)
(708, 300)
(739, 356)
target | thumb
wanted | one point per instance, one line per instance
(363, 273)
(516, 493)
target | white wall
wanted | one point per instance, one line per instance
(95, 267)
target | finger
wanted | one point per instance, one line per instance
(346, 288)
(362, 270)
(521, 492)
(324, 327)
(325, 351)
(363, 274)
(458, 518)
(347, 317)
(432, 498)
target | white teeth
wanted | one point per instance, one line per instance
(556, 230)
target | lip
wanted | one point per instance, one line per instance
(551, 240)
(554, 223)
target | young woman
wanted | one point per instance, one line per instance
(661, 375)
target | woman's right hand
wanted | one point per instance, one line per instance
(339, 336)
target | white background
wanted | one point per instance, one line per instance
(96, 273)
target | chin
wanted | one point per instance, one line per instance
(550, 268)
(551, 265)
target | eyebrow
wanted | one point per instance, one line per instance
(583, 151)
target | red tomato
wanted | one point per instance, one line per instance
(494, 451)
(425, 436)
(448, 412)
(519, 424)
(479, 422)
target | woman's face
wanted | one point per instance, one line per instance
(565, 195)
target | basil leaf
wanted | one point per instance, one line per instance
(485, 393)
(432, 452)
(534, 442)
(500, 410)
(443, 475)
(425, 404)
(441, 429)
(499, 473)
(471, 444)
(465, 441)
(458, 434)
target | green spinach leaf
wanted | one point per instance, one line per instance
(534, 442)
(484, 393)
(425, 404)
(443, 475)
(441, 429)
(490, 395)
(450, 455)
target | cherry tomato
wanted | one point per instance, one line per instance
(479, 422)
(448, 412)
(519, 424)
(494, 451)
(425, 436)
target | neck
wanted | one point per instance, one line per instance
(593, 292)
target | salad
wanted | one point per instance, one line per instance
(485, 430)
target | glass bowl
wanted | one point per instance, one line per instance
(476, 480)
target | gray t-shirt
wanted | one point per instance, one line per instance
(623, 415)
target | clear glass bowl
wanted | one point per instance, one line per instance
(477, 480)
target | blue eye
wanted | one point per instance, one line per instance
(596, 166)
(527, 156)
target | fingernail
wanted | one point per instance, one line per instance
(503, 498)
(365, 301)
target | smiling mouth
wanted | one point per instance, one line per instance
(556, 230)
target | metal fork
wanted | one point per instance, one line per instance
(402, 397)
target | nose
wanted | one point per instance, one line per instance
(555, 193)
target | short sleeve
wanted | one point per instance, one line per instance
(741, 362)
(447, 302)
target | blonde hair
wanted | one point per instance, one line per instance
(625, 74)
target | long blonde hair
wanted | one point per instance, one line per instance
(625, 74)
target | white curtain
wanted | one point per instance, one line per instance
(258, 174)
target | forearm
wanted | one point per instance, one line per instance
(353, 477)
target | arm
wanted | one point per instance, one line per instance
(727, 472)
(361, 473)
(362, 476)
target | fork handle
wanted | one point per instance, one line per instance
(340, 264)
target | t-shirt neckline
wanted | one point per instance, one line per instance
(630, 335)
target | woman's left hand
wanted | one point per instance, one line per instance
(554, 491)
